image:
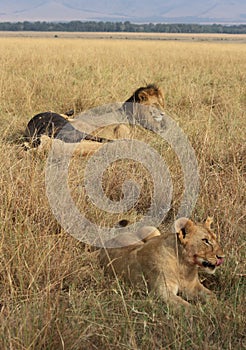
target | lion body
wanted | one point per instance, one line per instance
(76, 130)
(168, 266)
(144, 109)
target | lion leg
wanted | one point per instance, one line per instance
(122, 131)
(42, 148)
(114, 132)
(168, 292)
(201, 293)
(85, 148)
(176, 300)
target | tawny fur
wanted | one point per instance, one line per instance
(139, 108)
(168, 265)
(61, 127)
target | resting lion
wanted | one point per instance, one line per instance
(145, 108)
(75, 130)
(168, 266)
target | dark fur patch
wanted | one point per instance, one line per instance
(54, 125)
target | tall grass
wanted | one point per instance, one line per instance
(53, 294)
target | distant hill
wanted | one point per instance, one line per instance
(138, 11)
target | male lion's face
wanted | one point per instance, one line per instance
(150, 95)
(200, 246)
(146, 108)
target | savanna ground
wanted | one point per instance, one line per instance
(53, 293)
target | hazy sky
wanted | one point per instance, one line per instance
(122, 9)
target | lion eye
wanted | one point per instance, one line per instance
(206, 241)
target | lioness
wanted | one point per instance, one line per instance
(168, 265)
(66, 129)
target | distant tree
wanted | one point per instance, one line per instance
(94, 26)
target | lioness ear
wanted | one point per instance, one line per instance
(208, 222)
(182, 228)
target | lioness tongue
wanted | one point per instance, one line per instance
(219, 261)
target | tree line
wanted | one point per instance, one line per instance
(93, 26)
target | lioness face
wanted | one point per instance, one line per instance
(201, 246)
(208, 254)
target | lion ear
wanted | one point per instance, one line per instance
(182, 228)
(142, 96)
(208, 222)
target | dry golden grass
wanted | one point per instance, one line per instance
(53, 293)
(241, 38)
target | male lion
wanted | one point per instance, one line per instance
(144, 108)
(169, 266)
(75, 130)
